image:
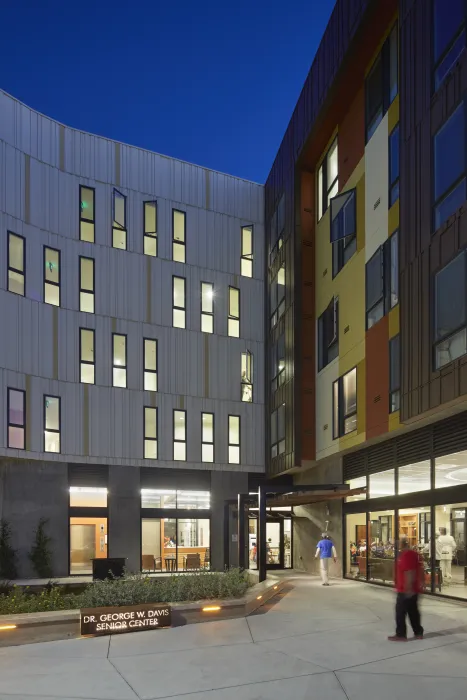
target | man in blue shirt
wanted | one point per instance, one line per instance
(325, 551)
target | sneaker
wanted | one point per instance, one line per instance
(395, 638)
(325, 584)
(418, 636)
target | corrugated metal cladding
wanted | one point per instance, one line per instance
(42, 165)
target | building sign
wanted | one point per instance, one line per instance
(130, 618)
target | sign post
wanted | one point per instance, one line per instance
(126, 618)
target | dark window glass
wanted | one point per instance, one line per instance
(448, 18)
(374, 289)
(394, 374)
(344, 396)
(382, 83)
(278, 431)
(374, 97)
(450, 59)
(449, 166)
(394, 166)
(343, 216)
(328, 334)
(450, 318)
(278, 363)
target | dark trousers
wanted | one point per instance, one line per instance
(407, 606)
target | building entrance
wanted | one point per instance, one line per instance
(278, 542)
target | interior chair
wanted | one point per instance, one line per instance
(148, 563)
(193, 561)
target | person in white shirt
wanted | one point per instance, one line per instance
(446, 545)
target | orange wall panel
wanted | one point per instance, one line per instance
(352, 138)
(377, 379)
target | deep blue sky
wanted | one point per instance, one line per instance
(206, 81)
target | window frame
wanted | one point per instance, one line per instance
(278, 377)
(248, 381)
(174, 440)
(206, 442)
(84, 218)
(147, 439)
(394, 185)
(383, 59)
(16, 425)
(386, 252)
(87, 362)
(150, 371)
(458, 329)
(82, 290)
(150, 236)
(22, 272)
(179, 308)
(233, 444)
(323, 352)
(115, 366)
(279, 310)
(394, 391)
(230, 316)
(115, 225)
(339, 430)
(175, 241)
(438, 61)
(45, 281)
(322, 197)
(277, 447)
(207, 314)
(246, 259)
(44, 418)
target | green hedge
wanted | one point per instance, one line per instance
(130, 590)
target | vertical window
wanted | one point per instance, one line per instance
(51, 276)
(16, 264)
(382, 281)
(277, 296)
(16, 418)
(178, 235)
(328, 179)
(345, 404)
(234, 312)
(179, 302)
(246, 263)
(394, 269)
(86, 213)
(382, 83)
(150, 364)
(278, 363)
(449, 37)
(343, 229)
(450, 333)
(179, 436)
(247, 376)
(207, 437)
(234, 439)
(51, 424)
(207, 307)
(150, 228)
(86, 285)
(449, 167)
(278, 431)
(119, 366)
(277, 227)
(394, 374)
(150, 433)
(394, 166)
(87, 365)
(328, 334)
(119, 220)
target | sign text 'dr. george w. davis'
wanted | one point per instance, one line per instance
(128, 618)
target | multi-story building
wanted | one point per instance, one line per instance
(131, 355)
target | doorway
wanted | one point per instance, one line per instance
(279, 543)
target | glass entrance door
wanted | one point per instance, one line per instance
(274, 544)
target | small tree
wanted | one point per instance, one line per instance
(40, 555)
(8, 568)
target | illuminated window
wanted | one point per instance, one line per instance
(150, 432)
(16, 418)
(119, 360)
(87, 365)
(328, 180)
(345, 404)
(86, 285)
(234, 312)
(86, 213)
(179, 432)
(179, 302)
(119, 220)
(178, 235)
(150, 228)
(88, 497)
(207, 437)
(234, 439)
(246, 263)
(277, 296)
(207, 307)
(247, 376)
(16, 264)
(51, 424)
(150, 364)
(278, 431)
(51, 276)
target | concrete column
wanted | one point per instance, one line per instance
(125, 515)
(32, 490)
(224, 485)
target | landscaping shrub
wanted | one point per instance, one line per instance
(130, 590)
(8, 568)
(40, 555)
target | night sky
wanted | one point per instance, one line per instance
(213, 83)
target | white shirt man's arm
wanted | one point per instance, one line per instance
(317, 553)
(334, 553)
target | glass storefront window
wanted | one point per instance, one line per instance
(382, 484)
(170, 544)
(359, 482)
(87, 497)
(193, 543)
(156, 498)
(450, 549)
(287, 543)
(451, 470)
(196, 500)
(88, 541)
(415, 525)
(356, 543)
(252, 543)
(414, 477)
(381, 550)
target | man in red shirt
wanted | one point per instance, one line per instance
(409, 583)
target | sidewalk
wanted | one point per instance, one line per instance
(314, 643)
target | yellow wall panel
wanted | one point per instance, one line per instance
(394, 420)
(394, 321)
(393, 218)
(393, 113)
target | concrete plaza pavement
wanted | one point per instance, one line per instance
(312, 643)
